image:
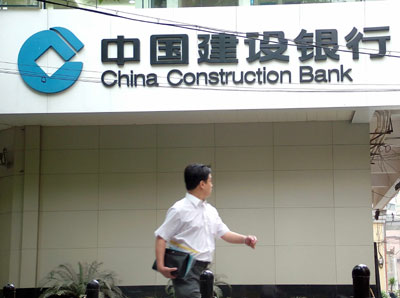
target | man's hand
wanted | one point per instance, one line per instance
(160, 253)
(251, 241)
(167, 272)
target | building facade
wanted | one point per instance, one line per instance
(102, 109)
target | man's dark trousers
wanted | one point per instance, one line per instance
(189, 287)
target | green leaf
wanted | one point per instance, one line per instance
(63, 280)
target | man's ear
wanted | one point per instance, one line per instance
(202, 183)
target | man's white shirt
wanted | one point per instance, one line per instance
(192, 225)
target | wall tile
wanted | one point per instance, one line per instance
(176, 159)
(128, 136)
(70, 161)
(349, 256)
(294, 188)
(259, 222)
(244, 189)
(15, 265)
(297, 226)
(28, 268)
(32, 162)
(350, 133)
(303, 133)
(134, 183)
(31, 192)
(70, 137)
(8, 141)
(355, 157)
(18, 164)
(4, 172)
(6, 192)
(258, 265)
(32, 137)
(5, 231)
(73, 229)
(244, 134)
(133, 265)
(185, 135)
(305, 265)
(170, 188)
(160, 217)
(4, 266)
(133, 160)
(7, 138)
(19, 138)
(244, 159)
(69, 192)
(16, 230)
(49, 259)
(29, 229)
(127, 228)
(353, 226)
(127, 191)
(18, 192)
(302, 157)
(352, 188)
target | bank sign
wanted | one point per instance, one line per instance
(66, 44)
(218, 51)
(262, 48)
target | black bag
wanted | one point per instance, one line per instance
(175, 258)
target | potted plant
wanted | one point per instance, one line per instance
(392, 282)
(65, 281)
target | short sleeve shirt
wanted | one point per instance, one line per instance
(192, 225)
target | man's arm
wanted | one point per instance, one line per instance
(236, 238)
(160, 253)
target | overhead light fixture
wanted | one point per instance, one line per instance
(132, 1)
(4, 159)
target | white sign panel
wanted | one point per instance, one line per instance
(224, 58)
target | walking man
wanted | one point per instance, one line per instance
(191, 225)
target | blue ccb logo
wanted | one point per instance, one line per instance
(65, 43)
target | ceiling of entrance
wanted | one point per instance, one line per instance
(177, 117)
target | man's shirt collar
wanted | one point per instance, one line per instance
(194, 200)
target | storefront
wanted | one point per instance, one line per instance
(277, 99)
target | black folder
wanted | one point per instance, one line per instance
(175, 258)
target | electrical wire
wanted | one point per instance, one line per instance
(10, 70)
(210, 30)
(271, 88)
(192, 27)
(231, 88)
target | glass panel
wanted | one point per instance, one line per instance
(66, 4)
(19, 3)
(158, 3)
(207, 3)
(271, 2)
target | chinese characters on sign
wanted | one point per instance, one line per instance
(213, 49)
(221, 48)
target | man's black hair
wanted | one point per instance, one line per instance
(194, 173)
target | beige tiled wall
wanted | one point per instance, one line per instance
(302, 188)
(11, 194)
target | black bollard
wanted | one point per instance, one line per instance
(207, 284)
(361, 275)
(9, 291)
(93, 289)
